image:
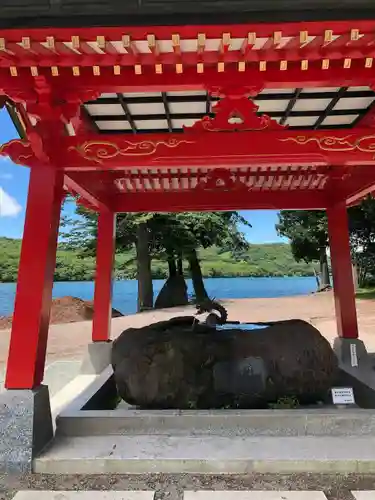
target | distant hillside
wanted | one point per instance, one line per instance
(259, 261)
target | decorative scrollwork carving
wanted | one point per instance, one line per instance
(365, 144)
(100, 151)
(20, 152)
(221, 179)
(235, 112)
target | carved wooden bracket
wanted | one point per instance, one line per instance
(235, 112)
(80, 200)
(52, 109)
(221, 179)
(21, 152)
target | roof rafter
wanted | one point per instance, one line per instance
(128, 115)
(167, 112)
(330, 107)
(290, 106)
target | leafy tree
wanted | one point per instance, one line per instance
(131, 230)
(308, 235)
(362, 238)
(181, 234)
(172, 236)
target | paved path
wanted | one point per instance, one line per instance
(188, 495)
(57, 374)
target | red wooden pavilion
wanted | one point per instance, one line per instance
(182, 118)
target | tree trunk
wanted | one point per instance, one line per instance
(197, 278)
(355, 277)
(180, 269)
(172, 266)
(317, 279)
(324, 271)
(361, 275)
(144, 276)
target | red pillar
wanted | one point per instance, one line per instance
(105, 251)
(28, 343)
(346, 314)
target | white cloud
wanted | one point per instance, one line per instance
(9, 206)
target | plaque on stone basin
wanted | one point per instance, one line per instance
(244, 376)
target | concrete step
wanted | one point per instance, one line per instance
(188, 495)
(84, 495)
(299, 422)
(254, 495)
(206, 455)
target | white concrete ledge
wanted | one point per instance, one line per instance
(73, 397)
(70, 392)
(254, 495)
(84, 495)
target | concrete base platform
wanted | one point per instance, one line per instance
(86, 495)
(254, 495)
(351, 353)
(207, 455)
(25, 427)
(97, 358)
(187, 495)
(281, 423)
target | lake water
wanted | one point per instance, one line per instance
(125, 292)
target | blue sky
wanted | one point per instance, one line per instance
(13, 193)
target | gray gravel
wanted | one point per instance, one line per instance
(171, 487)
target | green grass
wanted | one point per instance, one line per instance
(366, 293)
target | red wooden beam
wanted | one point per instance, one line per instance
(105, 251)
(346, 314)
(262, 30)
(169, 80)
(193, 201)
(356, 184)
(79, 189)
(218, 149)
(86, 56)
(356, 197)
(28, 343)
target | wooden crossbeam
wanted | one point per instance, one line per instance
(128, 115)
(167, 112)
(330, 107)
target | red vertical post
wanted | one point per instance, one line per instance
(105, 250)
(28, 342)
(346, 314)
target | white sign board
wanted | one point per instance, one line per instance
(343, 396)
(353, 355)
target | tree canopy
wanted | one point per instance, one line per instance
(169, 236)
(308, 235)
(362, 239)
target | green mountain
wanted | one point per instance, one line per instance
(258, 261)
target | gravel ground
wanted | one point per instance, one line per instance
(171, 487)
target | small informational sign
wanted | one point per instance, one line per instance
(353, 355)
(343, 396)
